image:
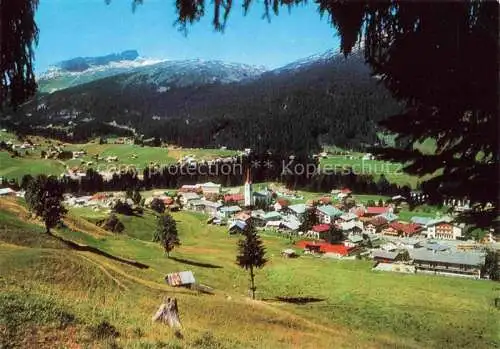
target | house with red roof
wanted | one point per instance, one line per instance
(234, 198)
(329, 250)
(281, 204)
(325, 200)
(167, 200)
(358, 211)
(193, 188)
(319, 231)
(338, 250)
(402, 229)
(376, 210)
(99, 196)
(346, 191)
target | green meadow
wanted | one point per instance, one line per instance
(19, 166)
(353, 161)
(52, 296)
(393, 172)
(128, 156)
(138, 157)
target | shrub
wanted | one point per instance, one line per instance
(65, 319)
(123, 208)
(65, 155)
(158, 205)
(113, 224)
(103, 330)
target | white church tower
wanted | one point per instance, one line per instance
(248, 190)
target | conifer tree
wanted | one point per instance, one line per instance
(166, 233)
(44, 196)
(310, 219)
(19, 35)
(136, 197)
(251, 254)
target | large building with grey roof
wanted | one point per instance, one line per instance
(458, 263)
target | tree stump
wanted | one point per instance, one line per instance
(168, 313)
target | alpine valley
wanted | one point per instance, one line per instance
(322, 99)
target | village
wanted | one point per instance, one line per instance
(271, 175)
(424, 245)
(330, 226)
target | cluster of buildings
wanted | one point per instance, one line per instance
(191, 160)
(23, 146)
(449, 258)
(423, 244)
(97, 201)
(124, 140)
(417, 245)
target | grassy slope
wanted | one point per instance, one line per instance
(360, 308)
(392, 171)
(17, 167)
(33, 164)
(144, 155)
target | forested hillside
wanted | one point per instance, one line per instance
(329, 100)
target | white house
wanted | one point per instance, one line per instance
(7, 191)
(351, 226)
(229, 211)
(189, 187)
(368, 156)
(186, 197)
(77, 154)
(111, 158)
(298, 210)
(445, 229)
(210, 188)
(327, 213)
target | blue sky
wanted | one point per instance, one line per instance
(91, 28)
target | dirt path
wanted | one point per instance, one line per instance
(13, 206)
(105, 264)
(105, 271)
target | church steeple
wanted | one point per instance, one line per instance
(248, 177)
(248, 189)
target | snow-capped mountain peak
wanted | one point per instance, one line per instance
(82, 70)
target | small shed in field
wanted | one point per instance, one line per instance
(289, 253)
(182, 278)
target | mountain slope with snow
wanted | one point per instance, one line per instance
(78, 71)
(326, 98)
